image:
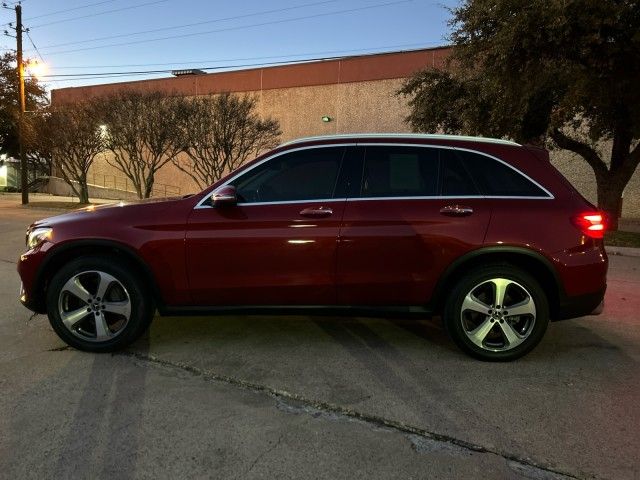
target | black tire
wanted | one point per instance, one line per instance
(134, 292)
(456, 322)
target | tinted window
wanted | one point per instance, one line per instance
(302, 175)
(497, 179)
(400, 172)
(456, 180)
(350, 174)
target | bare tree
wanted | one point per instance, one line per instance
(69, 135)
(141, 131)
(220, 133)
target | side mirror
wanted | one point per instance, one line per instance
(224, 196)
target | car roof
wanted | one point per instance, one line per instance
(357, 137)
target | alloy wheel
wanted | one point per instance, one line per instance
(94, 306)
(498, 314)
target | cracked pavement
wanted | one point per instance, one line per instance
(316, 397)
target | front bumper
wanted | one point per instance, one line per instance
(31, 295)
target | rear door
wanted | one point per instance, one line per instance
(416, 211)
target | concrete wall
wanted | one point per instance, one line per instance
(353, 107)
(580, 174)
(358, 93)
(369, 107)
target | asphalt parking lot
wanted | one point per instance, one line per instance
(316, 397)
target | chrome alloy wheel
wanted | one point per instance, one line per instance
(498, 314)
(94, 306)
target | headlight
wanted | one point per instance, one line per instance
(38, 235)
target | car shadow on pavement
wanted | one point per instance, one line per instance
(104, 433)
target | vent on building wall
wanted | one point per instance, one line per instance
(189, 71)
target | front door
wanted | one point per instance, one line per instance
(277, 246)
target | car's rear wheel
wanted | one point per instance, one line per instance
(98, 304)
(497, 313)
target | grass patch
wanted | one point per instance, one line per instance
(622, 239)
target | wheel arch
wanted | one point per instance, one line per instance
(529, 260)
(74, 249)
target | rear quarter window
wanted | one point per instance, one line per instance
(495, 179)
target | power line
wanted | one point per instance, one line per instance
(72, 76)
(238, 59)
(100, 75)
(227, 29)
(65, 10)
(130, 7)
(142, 32)
(71, 9)
(34, 45)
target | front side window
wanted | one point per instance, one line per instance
(400, 172)
(301, 175)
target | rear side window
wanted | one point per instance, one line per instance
(497, 179)
(301, 175)
(400, 172)
(456, 179)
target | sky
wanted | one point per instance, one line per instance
(96, 40)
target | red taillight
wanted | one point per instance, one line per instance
(591, 224)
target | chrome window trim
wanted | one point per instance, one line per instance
(446, 147)
(199, 205)
(294, 202)
(549, 196)
(445, 197)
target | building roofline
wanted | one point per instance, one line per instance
(303, 73)
(408, 136)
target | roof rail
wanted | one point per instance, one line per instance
(402, 135)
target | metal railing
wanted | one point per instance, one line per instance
(123, 183)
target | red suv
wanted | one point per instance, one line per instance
(485, 233)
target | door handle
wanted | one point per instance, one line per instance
(456, 211)
(316, 212)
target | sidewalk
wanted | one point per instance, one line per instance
(48, 201)
(623, 251)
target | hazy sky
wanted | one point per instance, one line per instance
(107, 36)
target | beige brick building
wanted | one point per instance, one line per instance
(356, 93)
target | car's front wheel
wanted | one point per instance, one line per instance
(97, 304)
(497, 312)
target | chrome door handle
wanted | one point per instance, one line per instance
(456, 211)
(316, 212)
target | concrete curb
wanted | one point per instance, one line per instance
(623, 251)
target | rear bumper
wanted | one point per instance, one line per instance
(580, 306)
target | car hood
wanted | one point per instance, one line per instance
(109, 210)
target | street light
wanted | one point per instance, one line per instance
(35, 68)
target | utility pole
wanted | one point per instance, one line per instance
(24, 174)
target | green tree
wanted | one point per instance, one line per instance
(35, 99)
(562, 72)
